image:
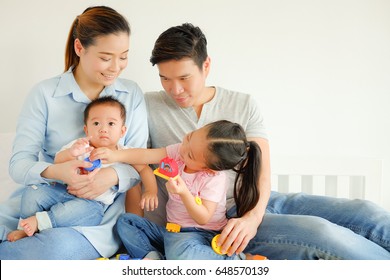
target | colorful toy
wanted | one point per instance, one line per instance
(168, 169)
(216, 248)
(259, 258)
(125, 257)
(95, 164)
(122, 257)
(198, 200)
(171, 227)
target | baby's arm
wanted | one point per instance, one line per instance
(149, 200)
(201, 213)
(79, 147)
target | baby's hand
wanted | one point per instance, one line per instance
(80, 147)
(149, 201)
(106, 155)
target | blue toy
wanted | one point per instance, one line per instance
(95, 164)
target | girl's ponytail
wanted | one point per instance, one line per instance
(246, 191)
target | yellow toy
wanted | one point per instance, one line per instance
(171, 227)
(198, 200)
(216, 248)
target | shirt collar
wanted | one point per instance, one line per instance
(68, 85)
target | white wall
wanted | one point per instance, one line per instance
(319, 69)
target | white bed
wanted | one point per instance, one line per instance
(339, 177)
(331, 176)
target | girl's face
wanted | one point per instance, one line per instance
(194, 150)
(100, 64)
(184, 81)
(104, 126)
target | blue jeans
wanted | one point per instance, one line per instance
(297, 227)
(140, 237)
(300, 226)
(75, 245)
(63, 209)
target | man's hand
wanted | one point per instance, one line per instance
(237, 233)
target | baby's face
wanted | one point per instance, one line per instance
(104, 126)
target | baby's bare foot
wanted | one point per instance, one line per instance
(29, 225)
(16, 235)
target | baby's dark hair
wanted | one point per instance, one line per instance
(230, 149)
(105, 100)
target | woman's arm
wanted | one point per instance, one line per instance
(69, 172)
(239, 231)
(38, 137)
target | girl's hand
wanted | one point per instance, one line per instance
(237, 234)
(106, 155)
(149, 201)
(176, 186)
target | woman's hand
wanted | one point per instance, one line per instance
(100, 180)
(69, 172)
(237, 233)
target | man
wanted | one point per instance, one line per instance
(296, 226)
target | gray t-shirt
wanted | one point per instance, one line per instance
(169, 123)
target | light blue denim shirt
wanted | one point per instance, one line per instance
(51, 117)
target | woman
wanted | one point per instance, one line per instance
(96, 53)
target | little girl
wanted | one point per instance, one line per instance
(197, 197)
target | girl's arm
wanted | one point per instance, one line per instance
(202, 213)
(149, 200)
(130, 156)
